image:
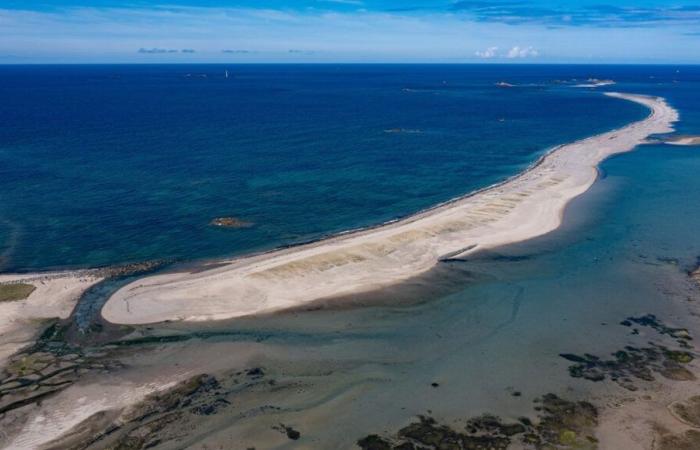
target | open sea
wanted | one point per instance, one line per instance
(110, 164)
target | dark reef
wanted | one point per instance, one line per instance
(560, 424)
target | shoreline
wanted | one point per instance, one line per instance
(524, 206)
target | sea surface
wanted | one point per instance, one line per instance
(109, 164)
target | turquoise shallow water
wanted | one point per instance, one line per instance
(112, 164)
(481, 329)
(485, 328)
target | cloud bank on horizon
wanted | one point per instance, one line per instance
(663, 31)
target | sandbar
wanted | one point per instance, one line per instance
(525, 206)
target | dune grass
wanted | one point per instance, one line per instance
(12, 292)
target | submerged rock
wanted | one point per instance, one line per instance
(561, 424)
(632, 363)
(230, 222)
(374, 442)
(681, 335)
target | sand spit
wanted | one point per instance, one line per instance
(525, 206)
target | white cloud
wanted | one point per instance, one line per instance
(522, 52)
(490, 52)
(101, 34)
(514, 52)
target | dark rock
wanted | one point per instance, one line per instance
(632, 363)
(562, 424)
(255, 372)
(681, 335)
(373, 442)
(289, 431)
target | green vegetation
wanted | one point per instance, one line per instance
(12, 292)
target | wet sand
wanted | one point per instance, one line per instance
(55, 296)
(528, 205)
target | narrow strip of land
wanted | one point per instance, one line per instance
(525, 206)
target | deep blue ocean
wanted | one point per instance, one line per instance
(120, 163)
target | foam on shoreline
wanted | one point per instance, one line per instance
(525, 206)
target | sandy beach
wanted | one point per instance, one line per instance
(528, 205)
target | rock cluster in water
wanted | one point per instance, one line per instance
(638, 363)
(632, 363)
(681, 335)
(561, 424)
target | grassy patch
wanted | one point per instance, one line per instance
(12, 292)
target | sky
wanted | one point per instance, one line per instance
(393, 31)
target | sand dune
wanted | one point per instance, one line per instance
(525, 206)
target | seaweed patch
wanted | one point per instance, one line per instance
(560, 424)
(632, 364)
(681, 335)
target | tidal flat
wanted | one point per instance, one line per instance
(398, 370)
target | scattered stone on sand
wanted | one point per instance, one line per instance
(15, 291)
(159, 418)
(632, 364)
(681, 335)
(230, 222)
(687, 411)
(125, 270)
(290, 432)
(561, 424)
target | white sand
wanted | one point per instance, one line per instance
(55, 296)
(526, 206)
